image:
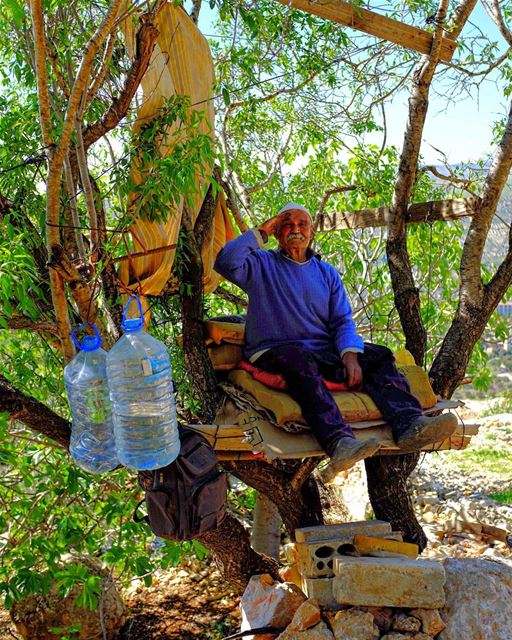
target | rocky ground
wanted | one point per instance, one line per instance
(451, 494)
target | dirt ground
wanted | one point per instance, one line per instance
(191, 602)
(186, 603)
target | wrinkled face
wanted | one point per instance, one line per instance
(295, 231)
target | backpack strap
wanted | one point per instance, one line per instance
(136, 517)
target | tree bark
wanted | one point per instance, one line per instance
(389, 497)
(191, 298)
(33, 414)
(477, 300)
(407, 298)
(234, 555)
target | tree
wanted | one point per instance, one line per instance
(292, 89)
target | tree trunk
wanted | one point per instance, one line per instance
(234, 556)
(191, 297)
(389, 497)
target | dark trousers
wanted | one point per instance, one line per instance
(304, 371)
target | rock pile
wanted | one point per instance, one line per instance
(478, 605)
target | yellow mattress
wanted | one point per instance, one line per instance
(354, 406)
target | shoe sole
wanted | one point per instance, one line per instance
(332, 470)
(435, 432)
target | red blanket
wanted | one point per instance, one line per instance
(276, 380)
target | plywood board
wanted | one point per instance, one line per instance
(375, 24)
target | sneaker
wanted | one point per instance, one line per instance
(427, 430)
(348, 451)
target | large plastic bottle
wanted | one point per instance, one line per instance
(143, 406)
(85, 377)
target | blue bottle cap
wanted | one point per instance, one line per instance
(89, 342)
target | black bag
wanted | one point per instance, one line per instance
(188, 496)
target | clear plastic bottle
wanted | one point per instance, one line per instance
(143, 406)
(85, 377)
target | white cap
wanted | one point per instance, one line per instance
(292, 206)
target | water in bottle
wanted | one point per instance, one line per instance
(143, 406)
(85, 377)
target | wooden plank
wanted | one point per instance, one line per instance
(435, 210)
(375, 25)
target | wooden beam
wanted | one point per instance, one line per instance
(436, 210)
(374, 24)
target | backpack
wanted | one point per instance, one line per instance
(188, 496)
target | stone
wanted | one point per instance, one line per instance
(382, 616)
(307, 624)
(267, 603)
(389, 582)
(322, 590)
(342, 531)
(478, 599)
(35, 614)
(319, 632)
(290, 573)
(422, 636)
(405, 623)
(307, 615)
(431, 621)
(395, 636)
(354, 624)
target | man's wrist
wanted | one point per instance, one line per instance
(354, 350)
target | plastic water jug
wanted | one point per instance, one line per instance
(85, 378)
(143, 406)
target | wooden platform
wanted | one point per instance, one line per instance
(250, 436)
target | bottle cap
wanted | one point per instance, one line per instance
(132, 324)
(89, 342)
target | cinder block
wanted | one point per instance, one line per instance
(315, 557)
(366, 544)
(322, 590)
(389, 582)
(342, 531)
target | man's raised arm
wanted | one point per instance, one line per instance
(237, 261)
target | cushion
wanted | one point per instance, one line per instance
(225, 356)
(218, 331)
(354, 406)
(276, 380)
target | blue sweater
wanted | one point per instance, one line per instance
(302, 303)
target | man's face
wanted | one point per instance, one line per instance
(295, 230)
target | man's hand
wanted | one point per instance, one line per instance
(353, 372)
(271, 225)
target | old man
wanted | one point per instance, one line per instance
(299, 324)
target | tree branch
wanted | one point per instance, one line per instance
(231, 297)
(331, 192)
(145, 44)
(406, 294)
(494, 10)
(40, 48)
(233, 206)
(33, 414)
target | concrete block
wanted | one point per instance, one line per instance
(389, 582)
(367, 544)
(315, 557)
(342, 531)
(321, 589)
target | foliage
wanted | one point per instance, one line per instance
(505, 497)
(298, 99)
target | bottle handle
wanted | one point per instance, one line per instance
(133, 324)
(89, 342)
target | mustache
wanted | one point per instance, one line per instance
(294, 236)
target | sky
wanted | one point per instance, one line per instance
(461, 129)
